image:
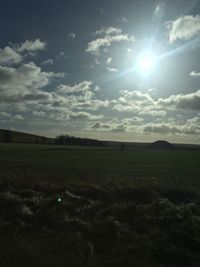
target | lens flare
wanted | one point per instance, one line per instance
(146, 63)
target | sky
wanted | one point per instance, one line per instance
(105, 69)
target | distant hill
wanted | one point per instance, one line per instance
(161, 144)
(9, 136)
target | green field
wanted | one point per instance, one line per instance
(38, 163)
(99, 206)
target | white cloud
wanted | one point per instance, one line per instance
(23, 89)
(153, 113)
(108, 31)
(195, 74)
(144, 104)
(66, 114)
(18, 117)
(184, 28)
(136, 99)
(108, 61)
(47, 62)
(31, 46)
(81, 87)
(112, 69)
(71, 35)
(84, 115)
(110, 35)
(159, 10)
(123, 19)
(9, 56)
(95, 45)
(12, 55)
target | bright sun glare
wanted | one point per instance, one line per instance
(146, 62)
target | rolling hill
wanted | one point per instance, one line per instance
(10, 136)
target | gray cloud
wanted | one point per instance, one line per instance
(22, 81)
(134, 101)
(123, 19)
(18, 117)
(153, 113)
(5, 115)
(24, 84)
(9, 56)
(39, 113)
(182, 101)
(164, 128)
(116, 125)
(81, 87)
(144, 104)
(12, 55)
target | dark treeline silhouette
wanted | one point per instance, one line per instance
(7, 136)
(10, 136)
(71, 140)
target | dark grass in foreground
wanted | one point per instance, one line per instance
(98, 207)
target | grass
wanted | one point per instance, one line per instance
(64, 206)
(34, 163)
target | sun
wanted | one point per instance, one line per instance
(146, 62)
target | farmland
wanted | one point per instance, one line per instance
(72, 206)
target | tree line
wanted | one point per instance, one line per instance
(71, 140)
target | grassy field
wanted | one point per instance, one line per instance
(71, 206)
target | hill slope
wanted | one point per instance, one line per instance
(9, 136)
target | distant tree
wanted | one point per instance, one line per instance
(122, 146)
(7, 136)
(60, 140)
(44, 140)
(71, 140)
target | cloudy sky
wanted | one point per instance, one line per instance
(107, 69)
